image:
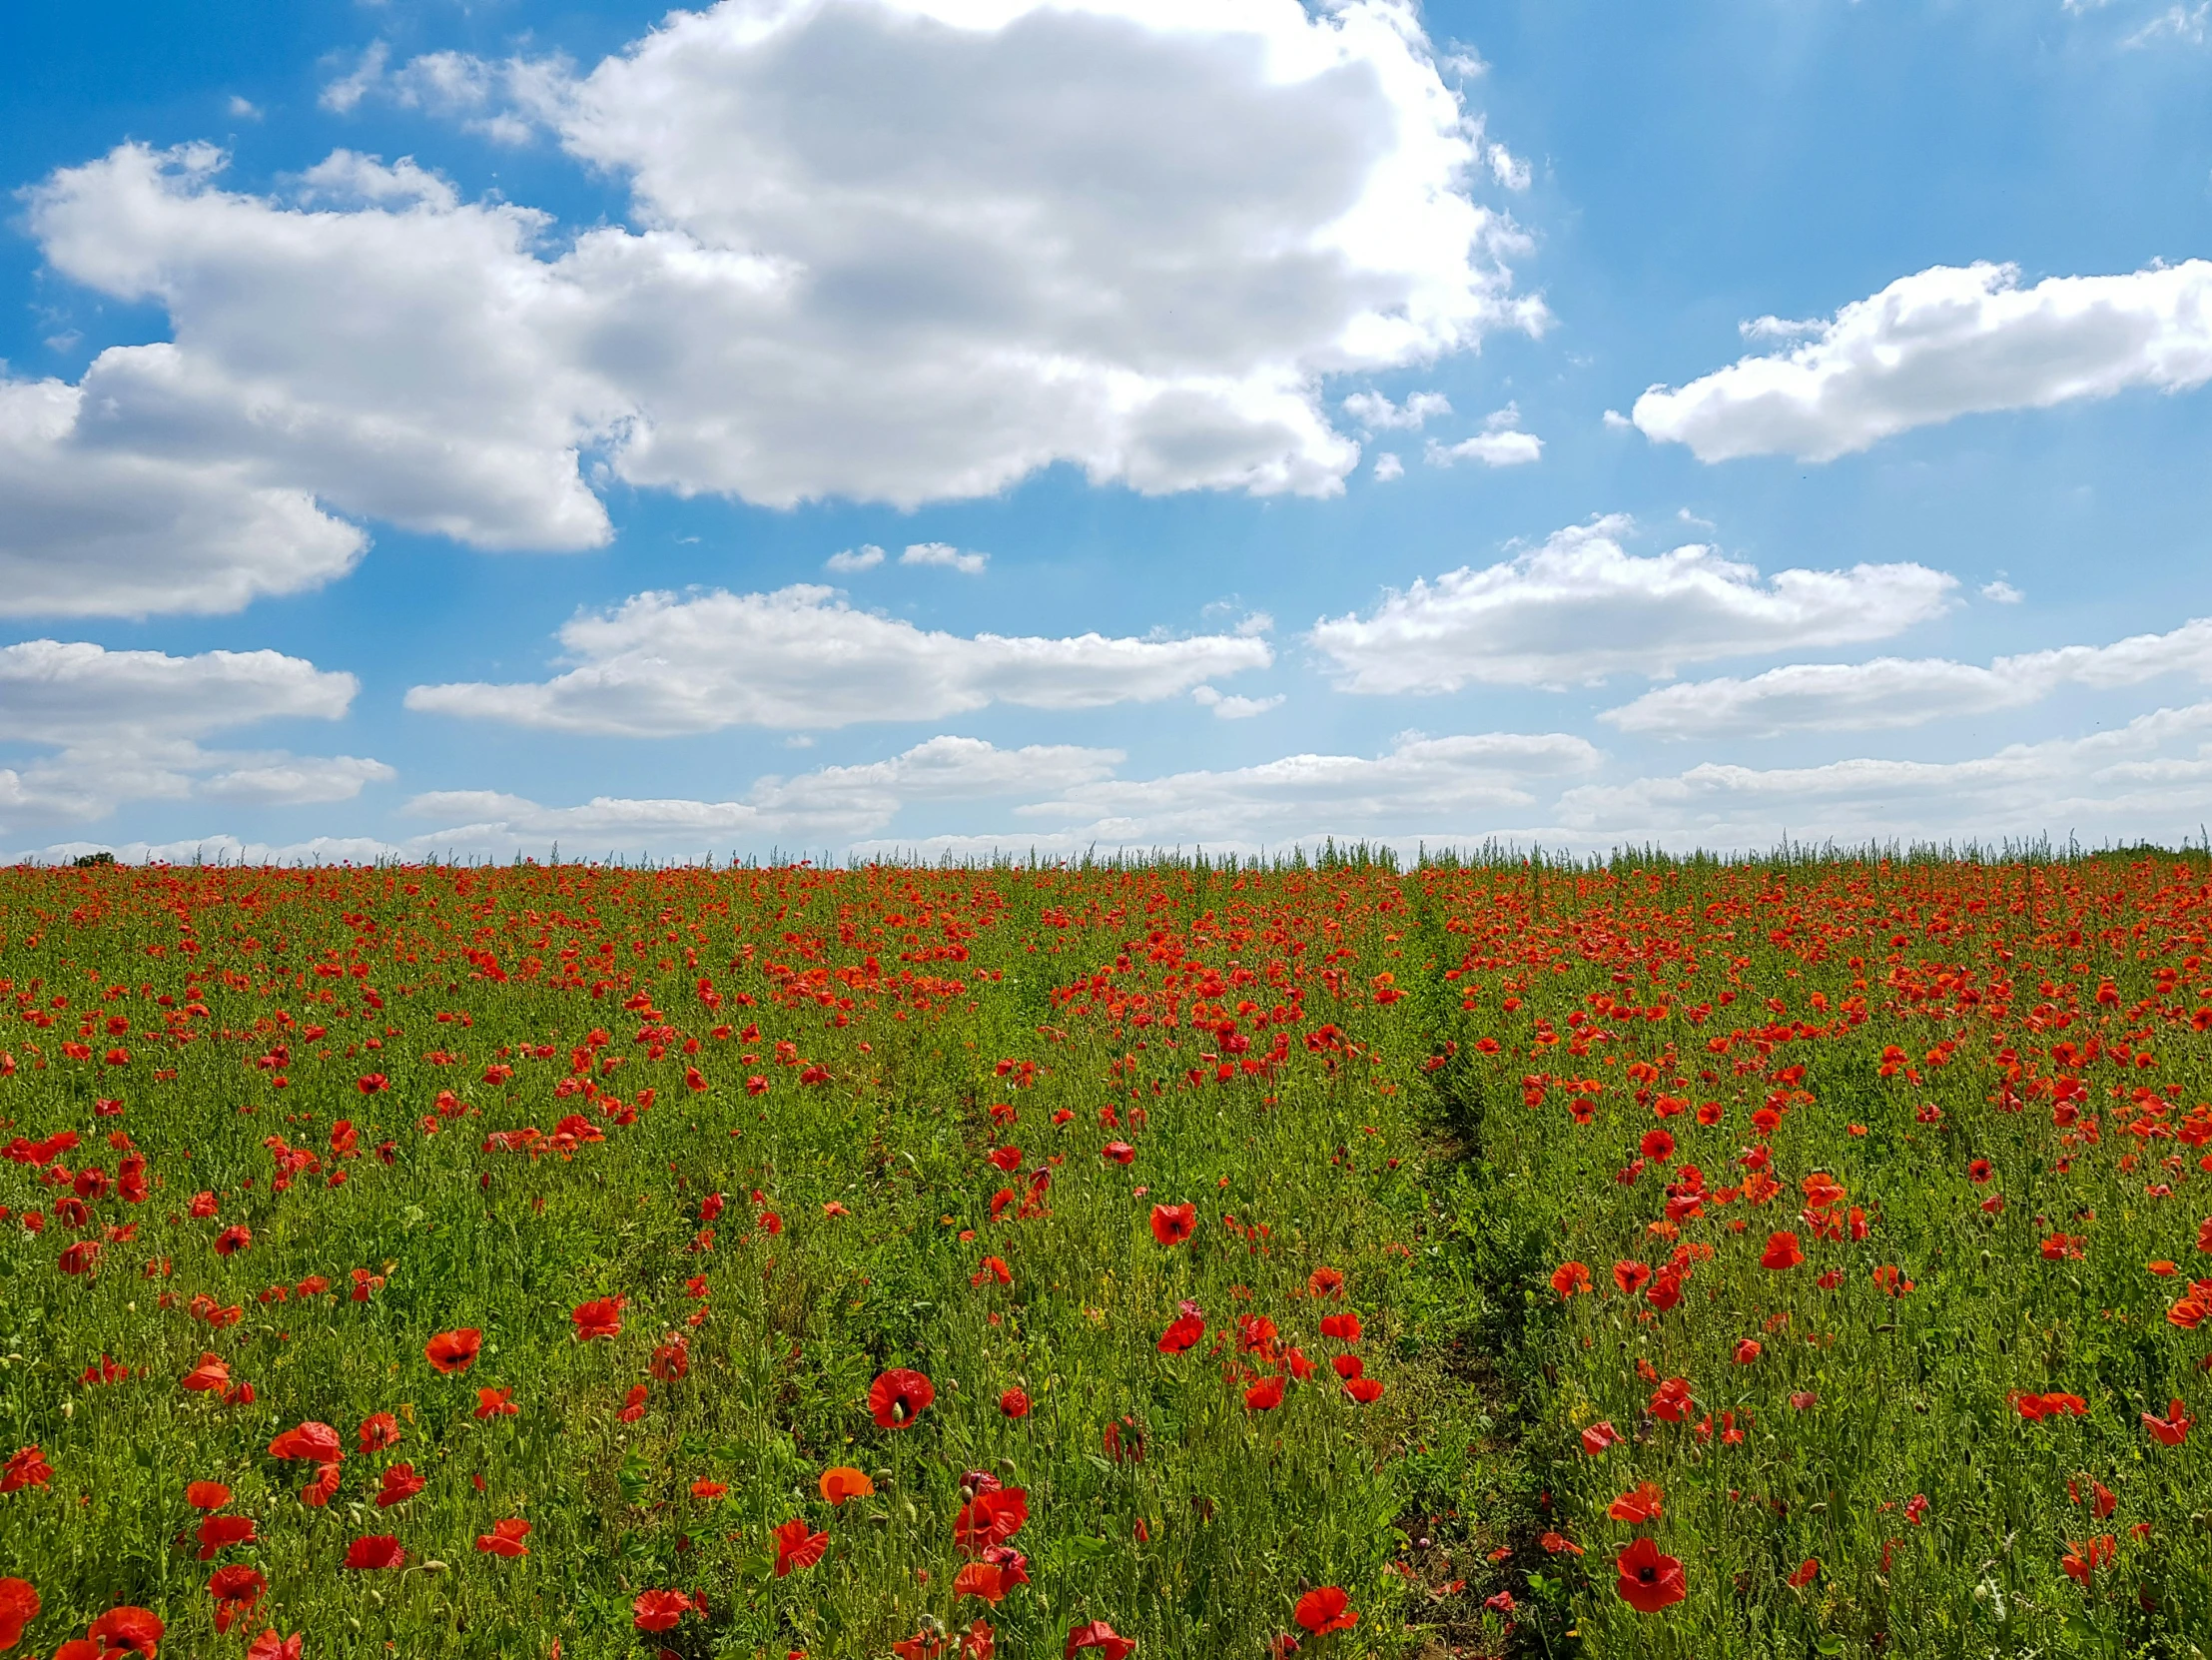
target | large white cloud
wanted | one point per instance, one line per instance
(877, 249)
(89, 528)
(1945, 342)
(836, 803)
(1892, 693)
(123, 726)
(802, 657)
(1581, 607)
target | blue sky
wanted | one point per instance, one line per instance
(427, 426)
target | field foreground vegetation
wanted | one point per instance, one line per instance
(1669, 1258)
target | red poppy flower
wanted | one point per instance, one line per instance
(2082, 1560)
(708, 1489)
(1570, 1278)
(796, 1548)
(317, 1441)
(1598, 1437)
(236, 1589)
(233, 1240)
(1649, 1578)
(1266, 1395)
(1671, 1400)
(19, 1606)
(1100, 1636)
(1805, 1574)
(672, 1361)
(451, 1351)
(842, 1483)
(372, 1551)
(207, 1495)
(494, 1404)
(1365, 1391)
(218, 1533)
(1325, 1610)
(270, 1646)
(1560, 1546)
(900, 1396)
(1008, 1158)
(980, 1579)
(1630, 1277)
(505, 1538)
(1641, 1503)
(1118, 1152)
(991, 1518)
(127, 1630)
(377, 1432)
(212, 1374)
(1182, 1335)
(633, 1403)
(1174, 1224)
(1014, 1404)
(1657, 1146)
(401, 1484)
(1325, 1282)
(658, 1610)
(599, 1319)
(1782, 1251)
(993, 1268)
(2173, 1428)
(1748, 1351)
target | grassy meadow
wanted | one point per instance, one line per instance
(1179, 1258)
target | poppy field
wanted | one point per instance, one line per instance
(1176, 1259)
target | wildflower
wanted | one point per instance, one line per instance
(505, 1538)
(270, 1646)
(599, 1319)
(400, 1483)
(451, 1351)
(842, 1483)
(1782, 1251)
(2173, 1428)
(1100, 1636)
(372, 1551)
(1343, 1328)
(210, 1374)
(633, 1403)
(1571, 1278)
(1014, 1404)
(19, 1606)
(236, 1589)
(658, 1610)
(377, 1432)
(1598, 1437)
(207, 1495)
(985, 1581)
(796, 1548)
(1266, 1395)
(317, 1441)
(494, 1404)
(125, 1630)
(1649, 1578)
(1639, 1505)
(1174, 1224)
(1324, 1610)
(899, 1397)
(1671, 1400)
(1805, 1574)
(1180, 1334)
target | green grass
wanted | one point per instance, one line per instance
(1386, 1115)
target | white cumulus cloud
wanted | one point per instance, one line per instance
(946, 558)
(2149, 778)
(1945, 342)
(802, 657)
(1420, 783)
(125, 726)
(887, 250)
(836, 803)
(1892, 692)
(1580, 607)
